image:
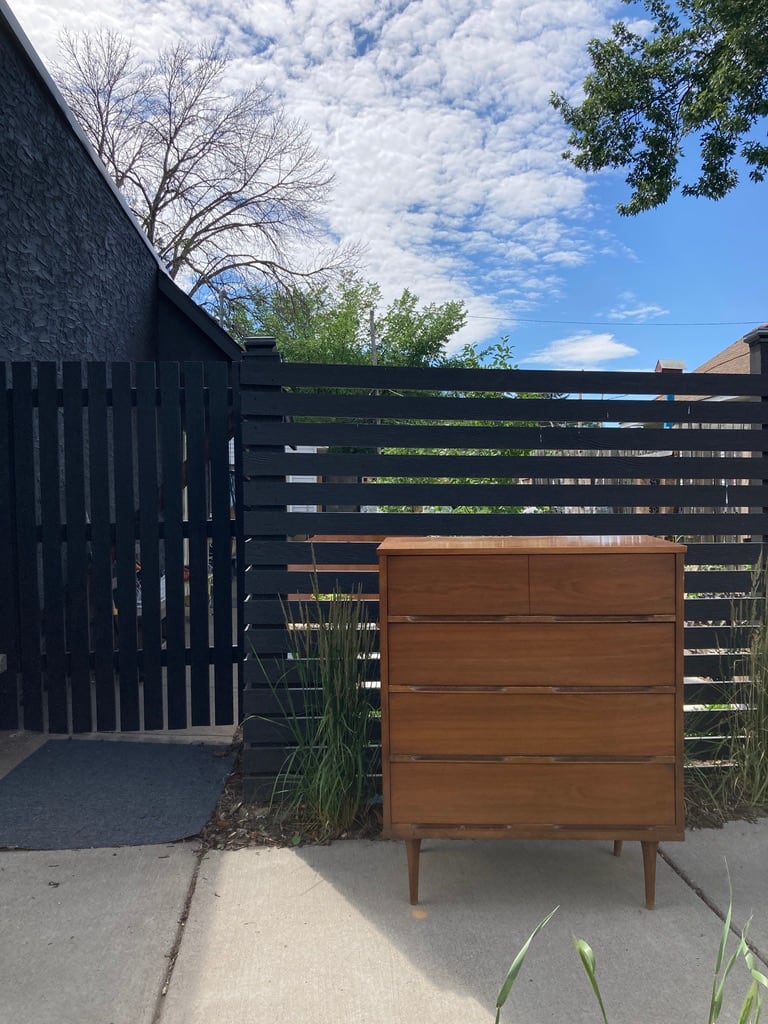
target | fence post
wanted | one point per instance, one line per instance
(260, 354)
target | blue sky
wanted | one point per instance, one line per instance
(434, 116)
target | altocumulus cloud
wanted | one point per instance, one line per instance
(434, 116)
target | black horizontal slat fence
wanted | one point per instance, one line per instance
(119, 610)
(337, 457)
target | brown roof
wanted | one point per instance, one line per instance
(734, 359)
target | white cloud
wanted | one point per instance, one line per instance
(435, 118)
(581, 352)
(630, 307)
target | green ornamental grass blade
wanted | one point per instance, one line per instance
(759, 977)
(716, 1000)
(746, 1009)
(517, 963)
(587, 958)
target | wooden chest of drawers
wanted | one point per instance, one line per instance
(532, 688)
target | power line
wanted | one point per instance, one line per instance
(614, 323)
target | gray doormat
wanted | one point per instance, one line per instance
(76, 794)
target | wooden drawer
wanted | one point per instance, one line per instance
(603, 584)
(458, 585)
(570, 794)
(575, 724)
(531, 654)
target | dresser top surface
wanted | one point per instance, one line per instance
(526, 545)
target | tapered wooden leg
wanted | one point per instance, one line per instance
(412, 850)
(617, 845)
(649, 869)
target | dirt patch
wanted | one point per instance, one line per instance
(236, 824)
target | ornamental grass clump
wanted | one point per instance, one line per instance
(733, 780)
(325, 779)
(748, 745)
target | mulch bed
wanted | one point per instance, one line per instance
(236, 824)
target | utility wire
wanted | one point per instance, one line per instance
(614, 323)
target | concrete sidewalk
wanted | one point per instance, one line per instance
(166, 935)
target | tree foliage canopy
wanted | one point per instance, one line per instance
(332, 324)
(228, 188)
(700, 73)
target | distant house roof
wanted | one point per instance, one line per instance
(734, 359)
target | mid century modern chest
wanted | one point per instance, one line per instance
(532, 688)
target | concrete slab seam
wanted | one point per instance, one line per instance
(709, 903)
(176, 947)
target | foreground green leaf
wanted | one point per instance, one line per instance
(517, 963)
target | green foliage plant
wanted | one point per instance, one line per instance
(700, 76)
(750, 1008)
(325, 780)
(334, 323)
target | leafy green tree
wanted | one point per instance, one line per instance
(325, 324)
(699, 76)
(332, 324)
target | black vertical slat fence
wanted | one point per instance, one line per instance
(337, 457)
(116, 547)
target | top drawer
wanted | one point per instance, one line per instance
(603, 584)
(457, 585)
(614, 583)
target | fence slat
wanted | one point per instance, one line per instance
(149, 546)
(265, 581)
(196, 479)
(221, 540)
(172, 467)
(540, 382)
(664, 466)
(322, 552)
(454, 524)
(721, 496)
(505, 437)
(503, 408)
(29, 610)
(102, 602)
(76, 548)
(51, 548)
(9, 697)
(125, 547)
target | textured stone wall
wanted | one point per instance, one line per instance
(76, 279)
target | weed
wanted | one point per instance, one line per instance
(750, 1008)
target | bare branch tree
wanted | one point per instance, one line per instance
(228, 188)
